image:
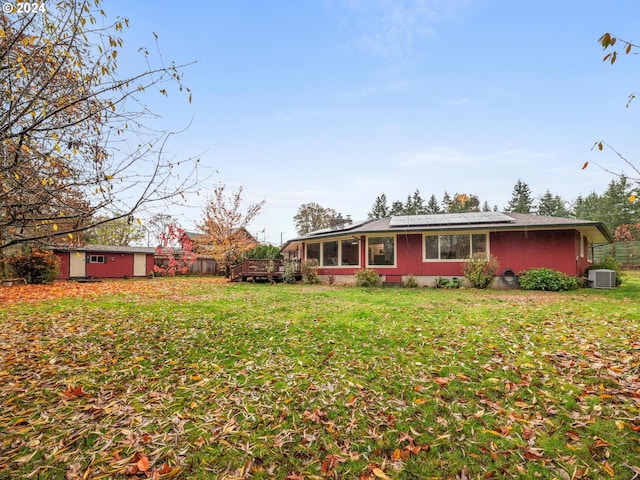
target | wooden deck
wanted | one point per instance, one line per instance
(259, 270)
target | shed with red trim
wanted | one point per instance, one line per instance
(104, 261)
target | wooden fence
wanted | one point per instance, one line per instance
(627, 254)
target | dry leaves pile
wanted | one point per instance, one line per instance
(140, 380)
(57, 290)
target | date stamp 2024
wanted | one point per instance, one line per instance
(24, 7)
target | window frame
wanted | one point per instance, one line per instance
(306, 251)
(395, 251)
(470, 234)
(97, 258)
(338, 240)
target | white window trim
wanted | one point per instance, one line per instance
(395, 251)
(450, 260)
(97, 258)
(582, 240)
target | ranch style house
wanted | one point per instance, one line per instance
(428, 247)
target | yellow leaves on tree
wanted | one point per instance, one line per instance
(224, 227)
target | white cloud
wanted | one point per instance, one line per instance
(392, 28)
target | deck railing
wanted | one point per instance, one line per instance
(253, 268)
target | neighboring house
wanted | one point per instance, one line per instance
(103, 261)
(432, 246)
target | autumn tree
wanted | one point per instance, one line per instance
(462, 202)
(628, 232)
(157, 225)
(224, 227)
(76, 145)
(120, 232)
(176, 250)
(313, 216)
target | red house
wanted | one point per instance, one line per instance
(432, 246)
(102, 261)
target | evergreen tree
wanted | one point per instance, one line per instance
(417, 204)
(521, 200)
(380, 208)
(589, 207)
(552, 206)
(446, 202)
(409, 208)
(612, 207)
(397, 208)
(487, 208)
(432, 206)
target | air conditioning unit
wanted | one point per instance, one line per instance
(601, 278)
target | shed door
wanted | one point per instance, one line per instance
(77, 264)
(139, 264)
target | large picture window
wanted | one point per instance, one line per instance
(350, 252)
(381, 251)
(454, 246)
(329, 254)
(313, 251)
(335, 253)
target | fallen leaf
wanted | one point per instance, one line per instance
(143, 463)
(74, 392)
(606, 466)
(380, 474)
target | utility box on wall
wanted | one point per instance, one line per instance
(601, 278)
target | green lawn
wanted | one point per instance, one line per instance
(196, 379)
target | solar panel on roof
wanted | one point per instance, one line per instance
(449, 219)
(339, 228)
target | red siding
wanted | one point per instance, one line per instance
(64, 264)
(118, 265)
(150, 264)
(557, 250)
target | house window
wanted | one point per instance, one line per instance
(454, 246)
(329, 254)
(350, 252)
(381, 251)
(335, 253)
(582, 241)
(313, 251)
(97, 259)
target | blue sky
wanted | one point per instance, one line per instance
(338, 101)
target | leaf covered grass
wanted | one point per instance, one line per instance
(194, 378)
